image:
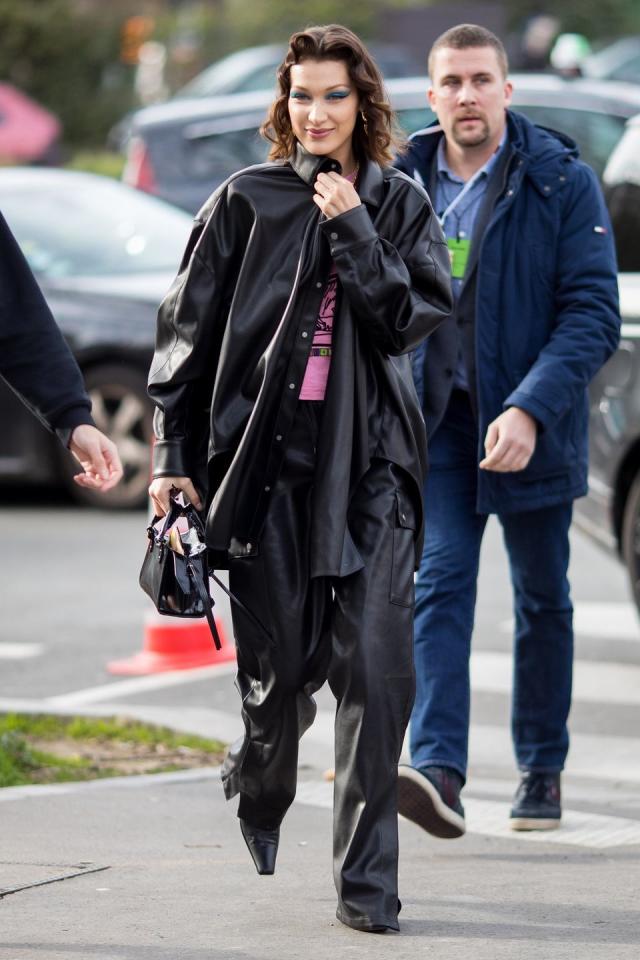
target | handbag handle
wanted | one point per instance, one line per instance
(188, 510)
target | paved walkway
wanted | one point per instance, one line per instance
(150, 868)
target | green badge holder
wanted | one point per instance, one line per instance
(459, 254)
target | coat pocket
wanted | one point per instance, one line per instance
(403, 551)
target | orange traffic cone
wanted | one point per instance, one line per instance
(175, 643)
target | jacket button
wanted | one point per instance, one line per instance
(292, 386)
(249, 546)
(304, 334)
(509, 193)
(267, 489)
(546, 188)
(279, 437)
(318, 284)
(333, 236)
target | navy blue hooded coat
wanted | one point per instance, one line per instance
(546, 312)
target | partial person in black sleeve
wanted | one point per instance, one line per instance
(37, 364)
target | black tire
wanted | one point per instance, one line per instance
(122, 410)
(631, 538)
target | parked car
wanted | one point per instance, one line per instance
(611, 510)
(255, 69)
(183, 149)
(104, 255)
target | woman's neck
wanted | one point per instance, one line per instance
(347, 162)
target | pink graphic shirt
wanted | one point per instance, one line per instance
(314, 385)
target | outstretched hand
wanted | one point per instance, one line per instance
(510, 441)
(98, 457)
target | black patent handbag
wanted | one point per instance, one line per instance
(174, 571)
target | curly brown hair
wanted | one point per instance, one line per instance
(376, 135)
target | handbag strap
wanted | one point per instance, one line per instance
(242, 606)
(206, 601)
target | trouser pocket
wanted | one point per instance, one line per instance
(403, 552)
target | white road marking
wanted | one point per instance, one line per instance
(127, 688)
(600, 619)
(20, 651)
(593, 681)
(491, 818)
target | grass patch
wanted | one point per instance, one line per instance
(44, 748)
(104, 162)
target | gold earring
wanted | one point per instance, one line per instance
(364, 122)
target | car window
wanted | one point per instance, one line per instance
(595, 133)
(628, 72)
(415, 119)
(264, 78)
(90, 227)
(218, 156)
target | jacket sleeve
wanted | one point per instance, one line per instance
(34, 358)
(398, 287)
(587, 328)
(190, 327)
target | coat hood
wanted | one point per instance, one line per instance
(545, 151)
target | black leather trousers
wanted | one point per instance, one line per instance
(355, 631)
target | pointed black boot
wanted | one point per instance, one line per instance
(262, 845)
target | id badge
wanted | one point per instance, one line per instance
(458, 254)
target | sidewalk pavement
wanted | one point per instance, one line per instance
(154, 868)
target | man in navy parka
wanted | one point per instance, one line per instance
(503, 384)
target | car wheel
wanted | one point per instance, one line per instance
(123, 411)
(631, 538)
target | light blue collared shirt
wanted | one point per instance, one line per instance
(460, 222)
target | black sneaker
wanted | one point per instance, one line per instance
(430, 797)
(536, 805)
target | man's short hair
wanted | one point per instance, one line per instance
(467, 35)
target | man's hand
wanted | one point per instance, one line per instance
(98, 457)
(335, 194)
(510, 441)
(159, 493)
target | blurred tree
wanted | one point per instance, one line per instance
(199, 32)
(68, 60)
(277, 20)
(598, 20)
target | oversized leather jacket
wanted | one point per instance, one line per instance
(235, 332)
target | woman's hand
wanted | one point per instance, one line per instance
(159, 493)
(334, 194)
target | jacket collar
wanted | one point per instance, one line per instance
(308, 166)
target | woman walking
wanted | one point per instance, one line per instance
(286, 407)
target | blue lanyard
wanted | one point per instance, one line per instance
(465, 190)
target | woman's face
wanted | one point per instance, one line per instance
(323, 108)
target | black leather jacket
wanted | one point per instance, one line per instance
(235, 331)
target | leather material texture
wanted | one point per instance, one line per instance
(349, 631)
(236, 329)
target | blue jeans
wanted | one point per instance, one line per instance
(537, 543)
